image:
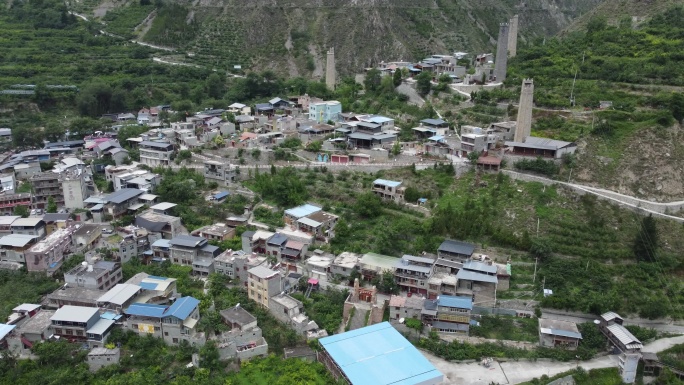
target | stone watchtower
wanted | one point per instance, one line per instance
(501, 60)
(513, 36)
(330, 74)
(523, 126)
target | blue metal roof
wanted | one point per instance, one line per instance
(436, 138)
(111, 316)
(146, 310)
(302, 211)
(379, 355)
(221, 195)
(433, 122)
(162, 243)
(385, 182)
(5, 330)
(566, 333)
(148, 285)
(182, 308)
(380, 119)
(277, 239)
(456, 302)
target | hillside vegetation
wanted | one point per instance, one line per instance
(292, 37)
(633, 146)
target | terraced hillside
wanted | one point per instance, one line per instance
(292, 36)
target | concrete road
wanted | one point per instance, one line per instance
(510, 372)
(663, 344)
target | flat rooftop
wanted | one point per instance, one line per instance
(286, 301)
(347, 260)
(38, 323)
(380, 355)
(51, 240)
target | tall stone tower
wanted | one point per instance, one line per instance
(513, 36)
(523, 126)
(501, 60)
(330, 74)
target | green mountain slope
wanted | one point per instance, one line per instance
(292, 36)
(615, 11)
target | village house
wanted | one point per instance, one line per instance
(29, 226)
(220, 172)
(81, 324)
(292, 215)
(86, 235)
(216, 232)
(235, 264)
(621, 339)
(345, 263)
(405, 307)
(54, 222)
(319, 224)
(239, 109)
(479, 280)
(255, 241)
(263, 284)
(188, 250)
(74, 296)
(132, 246)
(119, 202)
(155, 289)
(455, 251)
(323, 112)
(173, 323)
(102, 275)
(49, 254)
(159, 224)
(6, 222)
(555, 333)
(412, 274)
(13, 248)
(244, 338)
(448, 314)
(431, 127)
(154, 154)
(100, 357)
(541, 147)
(36, 329)
(119, 297)
(388, 189)
(8, 202)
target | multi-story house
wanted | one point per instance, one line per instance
(120, 201)
(239, 109)
(74, 189)
(345, 263)
(292, 215)
(448, 314)
(9, 201)
(319, 224)
(132, 246)
(6, 222)
(620, 338)
(216, 232)
(48, 254)
(405, 307)
(275, 244)
(158, 224)
(46, 185)
(54, 222)
(13, 249)
(412, 273)
(86, 235)
(244, 339)
(235, 264)
(102, 275)
(255, 241)
(388, 189)
(77, 323)
(264, 283)
(174, 323)
(154, 154)
(158, 290)
(323, 112)
(188, 250)
(29, 226)
(220, 172)
(36, 329)
(456, 251)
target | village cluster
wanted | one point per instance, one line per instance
(442, 288)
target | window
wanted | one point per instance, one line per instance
(79, 332)
(157, 328)
(166, 334)
(285, 311)
(175, 340)
(135, 326)
(69, 332)
(58, 331)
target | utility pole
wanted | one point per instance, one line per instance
(569, 176)
(537, 226)
(534, 277)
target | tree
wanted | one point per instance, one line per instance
(541, 248)
(81, 127)
(27, 137)
(646, 240)
(51, 205)
(387, 283)
(411, 194)
(21, 211)
(215, 86)
(53, 131)
(396, 148)
(314, 146)
(372, 81)
(368, 205)
(424, 83)
(596, 24)
(414, 324)
(396, 78)
(473, 157)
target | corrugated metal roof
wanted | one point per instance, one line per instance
(70, 313)
(120, 294)
(609, 316)
(221, 195)
(16, 240)
(473, 276)
(187, 241)
(182, 308)
(450, 326)
(123, 195)
(164, 243)
(302, 211)
(455, 302)
(146, 310)
(29, 307)
(379, 355)
(163, 206)
(157, 145)
(479, 266)
(101, 326)
(624, 336)
(277, 239)
(561, 333)
(433, 122)
(413, 258)
(380, 119)
(5, 330)
(309, 222)
(385, 182)
(457, 247)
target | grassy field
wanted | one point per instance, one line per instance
(507, 328)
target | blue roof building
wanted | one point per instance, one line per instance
(173, 322)
(301, 211)
(377, 355)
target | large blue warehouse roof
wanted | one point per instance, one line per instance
(380, 355)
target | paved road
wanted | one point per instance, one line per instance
(660, 325)
(515, 372)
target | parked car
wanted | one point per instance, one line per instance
(107, 231)
(33, 212)
(39, 211)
